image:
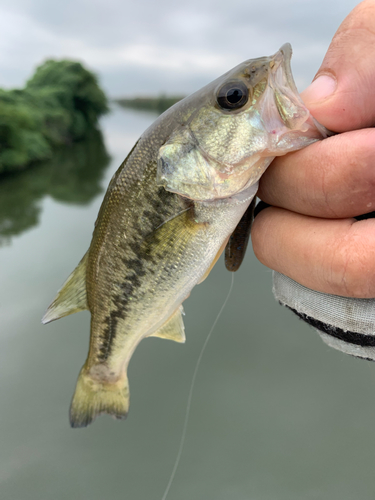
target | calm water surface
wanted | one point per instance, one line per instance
(276, 414)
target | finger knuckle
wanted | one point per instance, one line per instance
(352, 269)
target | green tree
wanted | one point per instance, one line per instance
(60, 104)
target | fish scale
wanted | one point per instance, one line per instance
(171, 208)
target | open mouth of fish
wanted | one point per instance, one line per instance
(283, 58)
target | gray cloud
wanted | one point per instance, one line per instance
(149, 47)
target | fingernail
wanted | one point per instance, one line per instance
(320, 89)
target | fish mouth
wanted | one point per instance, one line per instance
(282, 60)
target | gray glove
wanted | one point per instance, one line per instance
(344, 323)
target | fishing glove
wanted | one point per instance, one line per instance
(344, 323)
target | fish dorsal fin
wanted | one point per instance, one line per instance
(71, 297)
(237, 244)
(173, 329)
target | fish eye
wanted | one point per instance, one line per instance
(232, 95)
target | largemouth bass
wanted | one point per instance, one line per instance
(168, 214)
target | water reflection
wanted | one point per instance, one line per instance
(275, 413)
(74, 175)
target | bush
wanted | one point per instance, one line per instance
(60, 104)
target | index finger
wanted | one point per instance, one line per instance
(333, 178)
(330, 256)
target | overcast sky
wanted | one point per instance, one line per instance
(147, 47)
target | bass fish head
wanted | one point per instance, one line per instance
(233, 129)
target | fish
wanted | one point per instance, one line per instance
(184, 193)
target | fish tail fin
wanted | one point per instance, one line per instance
(71, 297)
(93, 398)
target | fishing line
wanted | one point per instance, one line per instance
(187, 412)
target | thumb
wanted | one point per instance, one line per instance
(341, 96)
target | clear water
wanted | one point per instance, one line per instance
(276, 414)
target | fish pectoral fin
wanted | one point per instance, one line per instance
(71, 297)
(173, 329)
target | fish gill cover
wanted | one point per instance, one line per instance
(60, 104)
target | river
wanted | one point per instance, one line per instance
(276, 414)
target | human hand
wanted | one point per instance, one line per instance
(309, 233)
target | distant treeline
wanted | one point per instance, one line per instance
(156, 104)
(60, 104)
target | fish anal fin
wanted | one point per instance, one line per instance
(173, 329)
(71, 297)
